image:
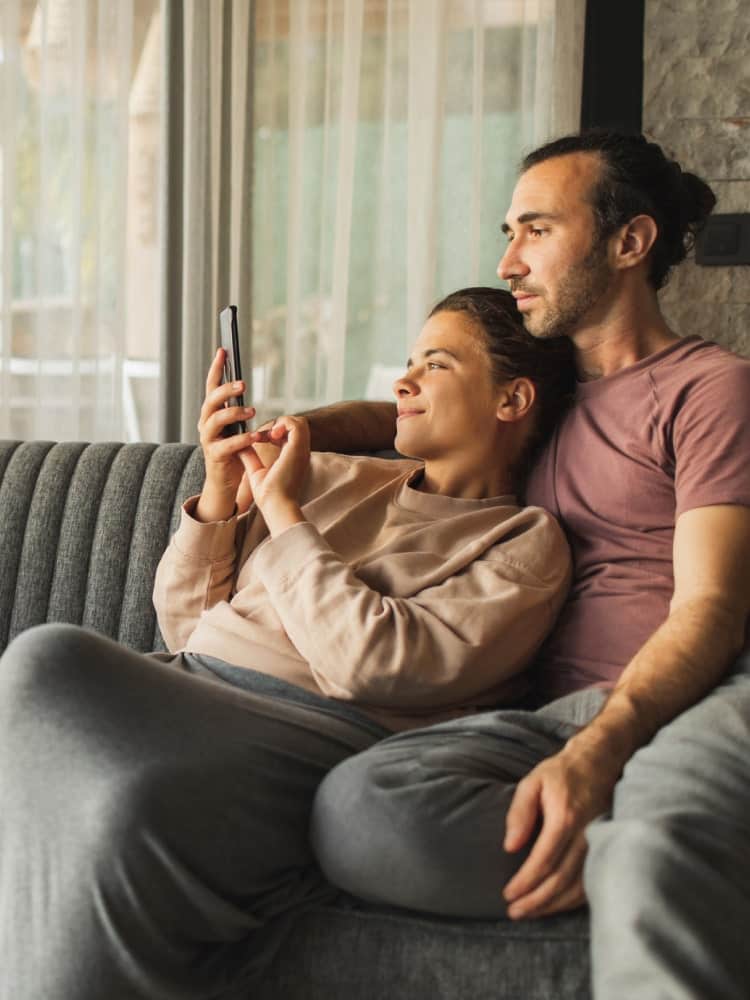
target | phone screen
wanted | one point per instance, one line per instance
(230, 341)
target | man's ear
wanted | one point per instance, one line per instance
(633, 243)
(516, 400)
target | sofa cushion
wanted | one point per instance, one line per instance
(83, 528)
(354, 951)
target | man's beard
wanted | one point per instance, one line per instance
(580, 289)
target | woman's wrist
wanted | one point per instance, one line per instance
(215, 505)
(281, 513)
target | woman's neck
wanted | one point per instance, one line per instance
(449, 480)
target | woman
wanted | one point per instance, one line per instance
(413, 590)
(158, 806)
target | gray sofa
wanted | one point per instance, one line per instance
(82, 527)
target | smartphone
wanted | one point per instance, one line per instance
(230, 341)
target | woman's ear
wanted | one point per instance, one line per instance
(516, 400)
(634, 241)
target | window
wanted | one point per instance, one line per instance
(79, 166)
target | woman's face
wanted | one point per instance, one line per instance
(447, 401)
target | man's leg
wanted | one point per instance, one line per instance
(668, 876)
(153, 824)
(418, 820)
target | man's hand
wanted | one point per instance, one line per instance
(565, 793)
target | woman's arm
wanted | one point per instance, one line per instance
(475, 627)
(446, 644)
(195, 573)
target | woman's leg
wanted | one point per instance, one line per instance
(153, 824)
(418, 820)
(668, 875)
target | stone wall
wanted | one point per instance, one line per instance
(696, 104)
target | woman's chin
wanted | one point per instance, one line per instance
(405, 447)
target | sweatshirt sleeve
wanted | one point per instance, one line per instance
(195, 573)
(449, 642)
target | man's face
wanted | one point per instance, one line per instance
(557, 269)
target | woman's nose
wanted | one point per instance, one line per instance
(403, 386)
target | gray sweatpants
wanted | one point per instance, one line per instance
(153, 822)
(418, 821)
(154, 828)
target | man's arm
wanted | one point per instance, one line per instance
(353, 426)
(682, 661)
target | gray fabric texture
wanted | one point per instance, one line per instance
(160, 816)
(82, 532)
(425, 810)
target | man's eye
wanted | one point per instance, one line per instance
(537, 232)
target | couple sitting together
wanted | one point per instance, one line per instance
(390, 676)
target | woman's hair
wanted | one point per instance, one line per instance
(514, 353)
(638, 179)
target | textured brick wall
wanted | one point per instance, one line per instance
(696, 104)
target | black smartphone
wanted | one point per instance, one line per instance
(230, 341)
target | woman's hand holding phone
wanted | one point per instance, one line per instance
(226, 488)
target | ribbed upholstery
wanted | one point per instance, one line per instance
(82, 528)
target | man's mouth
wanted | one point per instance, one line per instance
(402, 414)
(524, 300)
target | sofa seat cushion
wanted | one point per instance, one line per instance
(354, 951)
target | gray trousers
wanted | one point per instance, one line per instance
(153, 823)
(418, 821)
(154, 828)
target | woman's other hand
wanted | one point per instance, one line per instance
(226, 489)
(277, 488)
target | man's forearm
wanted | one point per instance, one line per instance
(681, 662)
(352, 426)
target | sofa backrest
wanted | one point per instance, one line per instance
(82, 528)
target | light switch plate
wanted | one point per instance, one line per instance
(725, 240)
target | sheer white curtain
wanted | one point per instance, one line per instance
(208, 184)
(387, 136)
(79, 154)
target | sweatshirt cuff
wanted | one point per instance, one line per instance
(209, 542)
(282, 558)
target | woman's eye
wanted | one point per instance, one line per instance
(434, 364)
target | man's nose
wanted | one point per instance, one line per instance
(510, 264)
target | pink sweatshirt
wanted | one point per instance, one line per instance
(414, 607)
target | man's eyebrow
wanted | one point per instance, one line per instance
(434, 350)
(530, 217)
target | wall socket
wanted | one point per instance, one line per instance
(725, 240)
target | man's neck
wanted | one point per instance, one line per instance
(629, 332)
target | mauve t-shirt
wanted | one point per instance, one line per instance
(639, 448)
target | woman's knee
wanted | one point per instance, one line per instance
(33, 662)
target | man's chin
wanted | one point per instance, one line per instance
(535, 325)
(544, 328)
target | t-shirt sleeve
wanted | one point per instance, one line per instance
(711, 439)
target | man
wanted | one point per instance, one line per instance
(647, 729)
